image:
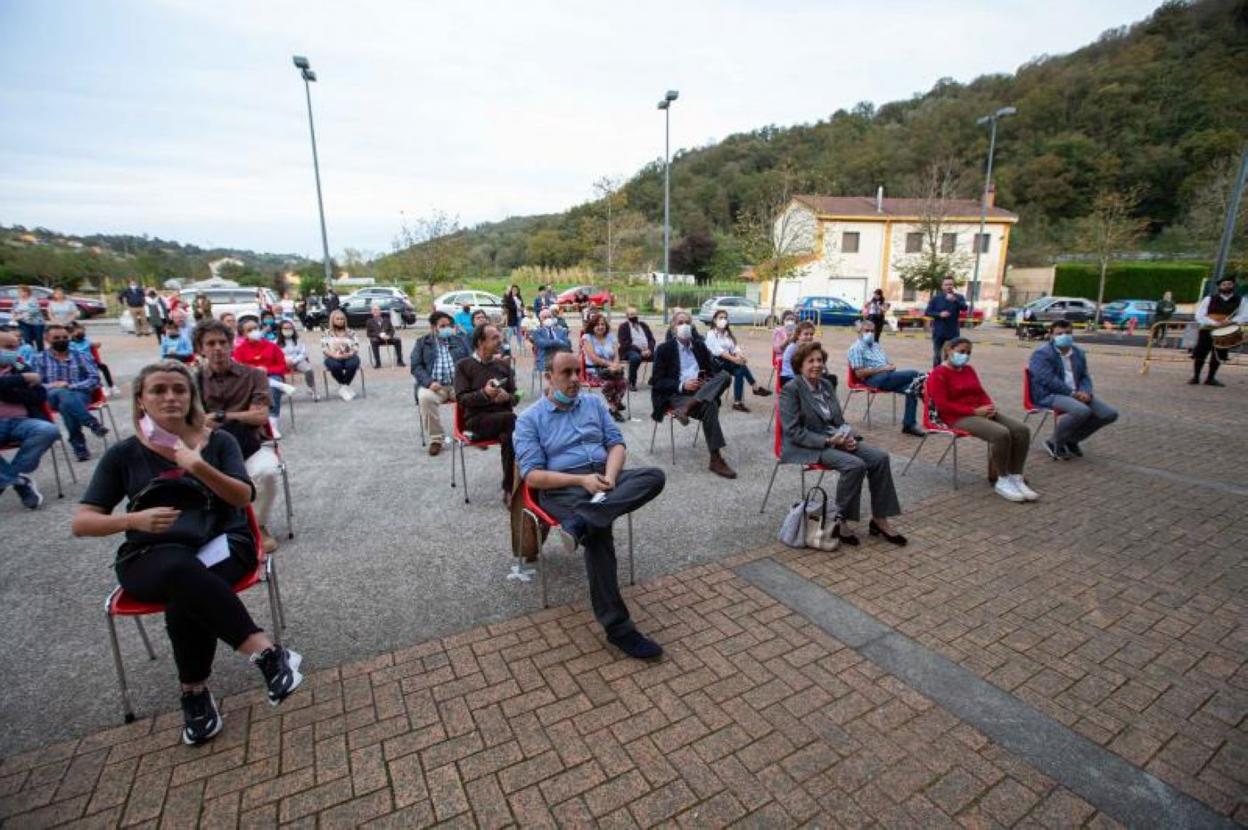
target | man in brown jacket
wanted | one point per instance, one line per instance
(485, 390)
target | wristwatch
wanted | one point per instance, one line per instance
(219, 415)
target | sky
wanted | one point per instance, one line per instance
(186, 120)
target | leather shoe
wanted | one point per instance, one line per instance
(913, 430)
(435, 448)
(635, 644)
(1214, 382)
(720, 467)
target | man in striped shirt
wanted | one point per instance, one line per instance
(71, 380)
(870, 366)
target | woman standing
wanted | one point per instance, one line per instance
(202, 308)
(61, 310)
(29, 317)
(728, 357)
(341, 352)
(874, 310)
(513, 307)
(602, 360)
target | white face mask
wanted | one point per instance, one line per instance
(684, 331)
(721, 323)
(789, 325)
(548, 322)
(254, 334)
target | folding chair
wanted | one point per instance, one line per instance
(272, 441)
(932, 427)
(121, 604)
(461, 440)
(671, 421)
(776, 448)
(856, 385)
(776, 389)
(534, 513)
(359, 374)
(50, 417)
(1032, 408)
(98, 404)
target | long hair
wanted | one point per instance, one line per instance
(335, 314)
(281, 338)
(727, 328)
(194, 415)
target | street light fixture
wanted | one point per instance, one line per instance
(983, 204)
(309, 77)
(666, 106)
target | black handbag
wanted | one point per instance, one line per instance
(196, 525)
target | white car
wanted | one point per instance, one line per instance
(741, 312)
(453, 301)
(241, 301)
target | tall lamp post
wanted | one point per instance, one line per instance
(666, 106)
(305, 69)
(983, 205)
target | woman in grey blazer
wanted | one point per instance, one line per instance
(813, 433)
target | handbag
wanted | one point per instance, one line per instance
(807, 525)
(197, 523)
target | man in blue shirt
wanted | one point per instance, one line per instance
(870, 366)
(944, 309)
(569, 452)
(463, 320)
(1060, 381)
(71, 380)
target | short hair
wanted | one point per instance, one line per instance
(439, 315)
(53, 327)
(210, 327)
(592, 323)
(1060, 324)
(478, 334)
(950, 345)
(1226, 278)
(804, 351)
(74, 325)
(802, 325)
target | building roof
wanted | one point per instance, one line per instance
(895, 208)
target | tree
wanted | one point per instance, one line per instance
(693, 254)
(932, 265)
(1109, 230)
(609, 193)
(1211, 199)
(775, 233)
(433, 249)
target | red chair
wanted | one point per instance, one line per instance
(856, 385)
(534, 513)
(98, 404)
(777, 446)
(591, 380)
(50, 417)
(1032, 409)
(771, 419)
(121, 604)
(936, 427)
(460, 440)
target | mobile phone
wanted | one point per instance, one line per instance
(493, 383)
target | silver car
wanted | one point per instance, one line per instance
(741, 311)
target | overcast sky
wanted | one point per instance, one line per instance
(185, 119)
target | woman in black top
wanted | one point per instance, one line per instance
(874, 311)
(193, 580)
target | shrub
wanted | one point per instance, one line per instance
(1132, 280)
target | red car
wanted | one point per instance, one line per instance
(86, 307)
(580, 295)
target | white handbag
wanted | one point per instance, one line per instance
(807, 524)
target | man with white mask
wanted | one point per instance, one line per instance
(870, 366)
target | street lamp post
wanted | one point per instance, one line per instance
(305, 69)
(666, 106)
(983, 205)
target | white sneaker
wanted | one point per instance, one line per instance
(350, 393)
(273, 427)
(344, 393)
(114, 391)
(1005, 489)
(1025, 491)
(287, 388)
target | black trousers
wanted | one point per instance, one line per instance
(706, 409)
(633, 355)
(1204, 349)
(633, 488)
(398, 351)
(496, 425)
(200, 604)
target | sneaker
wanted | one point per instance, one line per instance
(1005, 489)
(1073, 449)
(98, 429)
(280, 667)
(344, 393)
(201, 716)
(81, 453)
(287, 388)
(28, 492)
(635, 644)
(114, 391)
(1022, 488)
(1056, 451)
(350, 393)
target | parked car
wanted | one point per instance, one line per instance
(453, 301)
(6, 320)
(242, 301)
(578, 295)
(1121, 311)
(1048, 309)
(827, 311)
(381, 292)
(359, 307)
(87, 307)
(741, 311)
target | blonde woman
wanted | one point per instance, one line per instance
(341, 352)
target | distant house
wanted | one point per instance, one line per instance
(847, 246)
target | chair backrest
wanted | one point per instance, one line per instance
(854, 382)
(530, 503)
(1028, 405)
(48, 414)
(586, 378)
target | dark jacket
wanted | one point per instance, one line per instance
(1048, 376)
(134, 297)
(331, 301)
(945, 327)
(803, 429)
(376, 326)
(665, 379)
(425, 355)
(471, 375)
(15, 389)
(625, 337)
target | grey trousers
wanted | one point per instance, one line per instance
(1008, 440)
(1079, 420)
(864, 462)
(633, 488)
(708, 413)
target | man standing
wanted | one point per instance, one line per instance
(331, 301)
(944, 309)
(685, 382)
(463, 319)
(236, 398)
(380, 332)
(485, 388)
(870, 365)
(21, 422)
(636, 344)
(71, 380)
(1060, 381)
(1163, 312)
(572, 455)
(433, 365)
(136, 301)
(1219, 309)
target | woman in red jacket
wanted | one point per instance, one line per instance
(962, 403)
(253, 350)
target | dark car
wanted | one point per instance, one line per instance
(827, 311)
(86, 307)
(359, 308)
(1048, 309)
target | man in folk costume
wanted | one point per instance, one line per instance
(1222, 308)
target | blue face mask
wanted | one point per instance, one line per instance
(446, 333)
(1063, 341)
(868, 338)
(959, 358)
(562, 398)
(8, 358)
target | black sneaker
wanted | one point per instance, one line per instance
(635, 644)
(81, 453)
(203, 721)
(1073, 449)
(280, 667)
(99, 429)
(1056, 451)
(28, 492)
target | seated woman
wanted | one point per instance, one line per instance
(803, 332)
(962, 403)
(174, 345)
(729, 358)
(296, 354)
(187, 562)
(602, 360)
(341, 351)
(782, 334)
(814, 432)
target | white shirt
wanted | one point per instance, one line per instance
(1202, 314)
(1068, 370)
(688, 362)
(718, 342)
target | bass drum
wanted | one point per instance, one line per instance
(1228, 337)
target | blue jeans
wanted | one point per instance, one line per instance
(34, 435)
(897, 381)
(740, 374)
(343, 370)
(72, 406)
(32, 334)
(275, 396)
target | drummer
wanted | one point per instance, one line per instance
(1221, 310)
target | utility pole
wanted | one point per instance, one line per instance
(1232, 214)
(666, 106)
(983, 207)
(305, 69)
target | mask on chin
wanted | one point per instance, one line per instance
(562, 398)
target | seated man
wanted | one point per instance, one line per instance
(433, 365)
(548, 339)
(636, 344)
(569, 451)
(1060, 381)
(485, 389)
(870, 366)
(71, 380)
(684, 381)
(380, 332)
(236, 399)
(21, 422)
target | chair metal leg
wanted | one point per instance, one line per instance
(111, 420)
(537, 530)
(945, 453)
(277, 591)
(290, 508)
(274, 614)
(363, 386)
(325, 381)
(1044, 417)
(954, 445)
(56, 471)
(893, 395)
(632, 576)
(870, 400)
(73, 474)
(454, 449)
(147, 644)
(653, 433)
(696, 432)
(922, 441)
(671, 433)
(127, 709)
(420, 421)
(290, 406)
(767, 494)
(463, 470)
(771, 419)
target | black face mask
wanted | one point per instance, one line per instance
(59, 345)
(632, 319)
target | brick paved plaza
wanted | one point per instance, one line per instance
(1110, 616)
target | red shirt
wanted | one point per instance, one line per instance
(957, 393)
(262, 355)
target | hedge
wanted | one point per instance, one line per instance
(1136, 280)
